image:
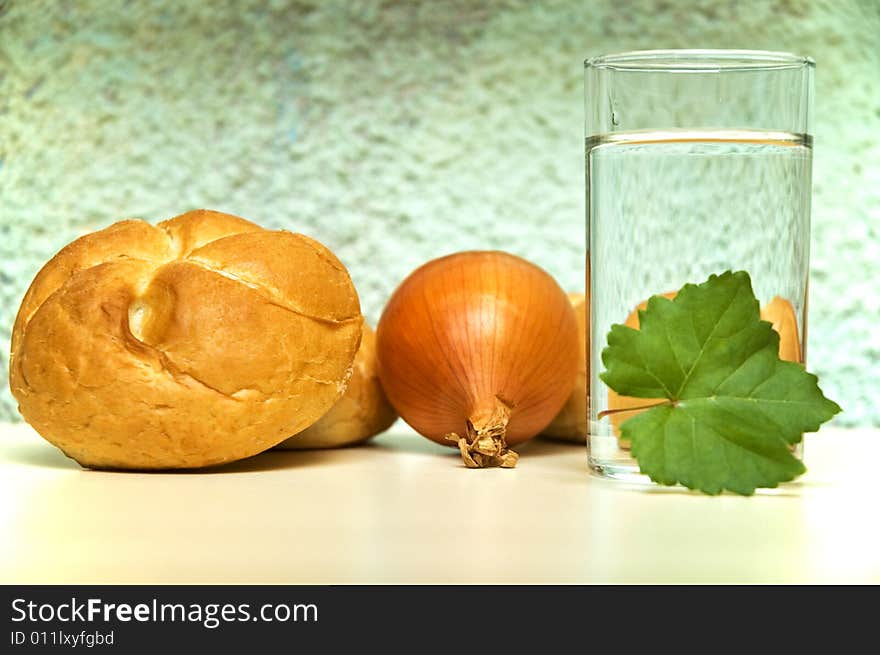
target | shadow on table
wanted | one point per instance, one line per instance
(408, 442)
(44, 455)
(540, 447)
(388, 442)
(416, 444)
(271, 460)
(794, 489)
(40, 454)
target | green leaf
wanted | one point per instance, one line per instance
(734, 408)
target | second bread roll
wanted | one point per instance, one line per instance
(570, 423)
(361, 413)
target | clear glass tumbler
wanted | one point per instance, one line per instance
(697, 162)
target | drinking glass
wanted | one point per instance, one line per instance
(697, 162)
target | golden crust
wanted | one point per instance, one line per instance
(129, 238)
(130, 352)
(202, 226)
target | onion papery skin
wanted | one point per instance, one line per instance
(481, 336)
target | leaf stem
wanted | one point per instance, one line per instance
(609, 412)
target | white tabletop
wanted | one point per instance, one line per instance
(403, 510)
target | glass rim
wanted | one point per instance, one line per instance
(698, 61)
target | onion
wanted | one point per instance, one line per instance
(479, 349)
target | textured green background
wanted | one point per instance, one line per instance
(398, 131)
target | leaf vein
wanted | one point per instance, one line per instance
(739, 367)
(708, 339)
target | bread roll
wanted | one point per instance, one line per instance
(361, 413)
(780, 314)
(199, 341)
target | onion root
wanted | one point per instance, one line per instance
(484, 445)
